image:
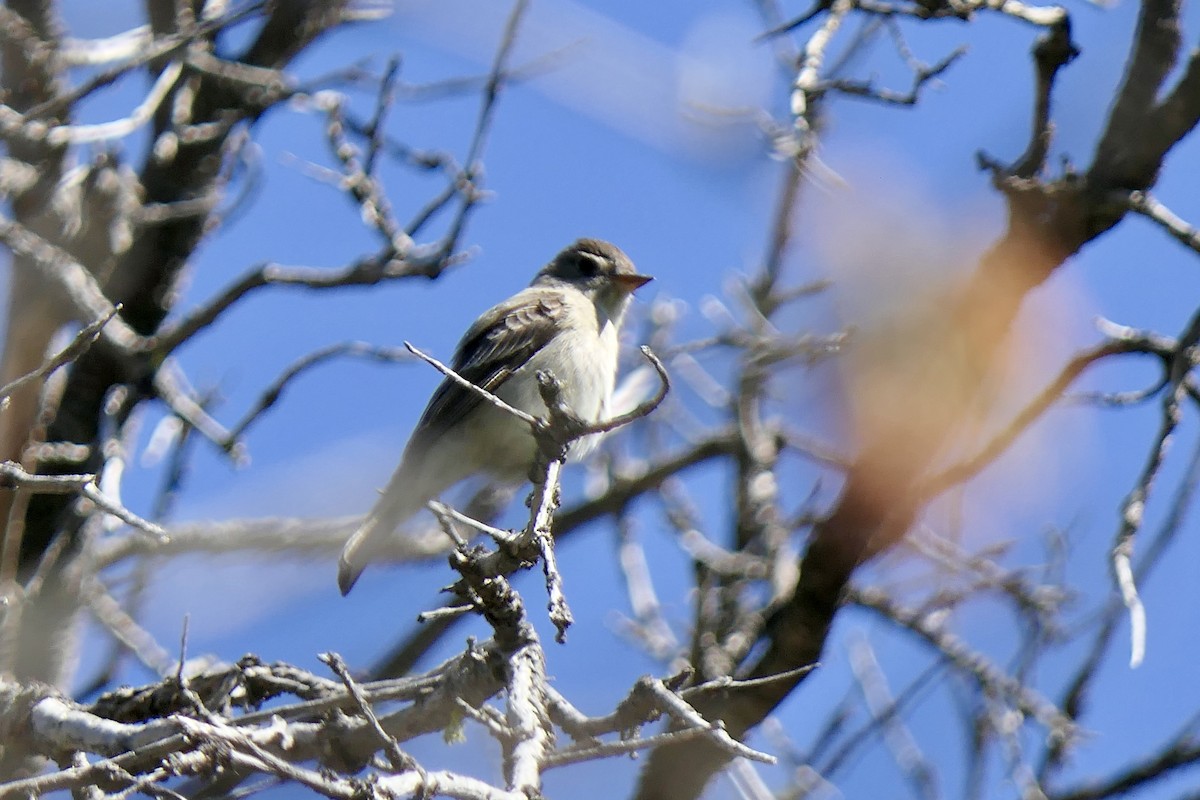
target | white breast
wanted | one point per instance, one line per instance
(583, 358)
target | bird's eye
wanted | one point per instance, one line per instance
(589, 266)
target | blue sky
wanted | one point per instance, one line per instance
(616, 138)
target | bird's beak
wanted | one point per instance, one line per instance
(632, 282)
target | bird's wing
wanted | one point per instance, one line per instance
(500, 342)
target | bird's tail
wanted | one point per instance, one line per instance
(394, 507)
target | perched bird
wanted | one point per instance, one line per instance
(566, 322)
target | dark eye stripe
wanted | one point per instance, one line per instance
(589, 265)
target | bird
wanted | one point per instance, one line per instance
(565, 322)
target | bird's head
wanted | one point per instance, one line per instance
(598, 269)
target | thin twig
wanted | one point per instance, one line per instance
(61, 270)
(973, 465)
(541, 521)
(899, 739)
(77, 347)
(1134, 507)
(12, 476)
(922, 75)
(989, 677)
(399, 759)
(1182, 231)
(643, 409)
(363, 272)
(487, 396)
(270, 395)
